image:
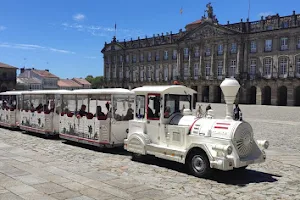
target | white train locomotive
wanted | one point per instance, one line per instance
(165, 127)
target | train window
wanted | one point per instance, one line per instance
(153, 107)
(99, 106)
(122, 106)
(140, 106)
(176, 104)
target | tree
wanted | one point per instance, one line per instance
(96, 82)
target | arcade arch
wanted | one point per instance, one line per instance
(297, 96)
(266, 94)
(282, 96)
(217, 94)
(205, 93)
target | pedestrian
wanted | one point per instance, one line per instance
(237, 112)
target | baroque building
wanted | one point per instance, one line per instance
(264, 56)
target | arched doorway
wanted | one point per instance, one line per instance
(297, 96)
(282, 96)
(3, 88)
(267, 95)
(205, 94)
(217, 94)
(252, 95)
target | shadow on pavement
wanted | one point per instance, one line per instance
(235, 177)
(114, 150)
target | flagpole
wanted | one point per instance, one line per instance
(249, 9)
(115, 30)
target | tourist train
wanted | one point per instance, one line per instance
(148, 120)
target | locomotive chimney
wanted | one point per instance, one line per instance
(230, 87)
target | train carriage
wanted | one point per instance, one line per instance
(40, 111)
(10, 108)
(97, 117)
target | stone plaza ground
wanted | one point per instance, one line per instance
(34, 168)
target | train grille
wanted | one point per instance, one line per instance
(243, 141)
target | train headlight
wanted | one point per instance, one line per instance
(227, 149)
(263, 144)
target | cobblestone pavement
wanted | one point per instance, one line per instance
(35, 168)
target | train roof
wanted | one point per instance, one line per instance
(47, 92)
(13, 92)
(165, 89)
(103, 91)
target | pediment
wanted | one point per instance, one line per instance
(112, 47)
(208, 30)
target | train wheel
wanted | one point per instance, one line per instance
(198, 164)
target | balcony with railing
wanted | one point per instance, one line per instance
(283, 47)
(274, 75)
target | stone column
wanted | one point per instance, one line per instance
(201, 60)
(274, 89)
(199, 93)
(290, 95)
(246, 48)
(211, 93)
(225, 67)
(237, 70)
(212, 60)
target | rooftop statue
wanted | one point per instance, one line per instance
(209, 11)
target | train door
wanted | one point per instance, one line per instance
(153, 113)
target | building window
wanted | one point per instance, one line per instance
(267, 66)
(232, 68)
(175, 74)
(127, 58)
(149, 56)
(166, 72)
(186, 52)
(252, 68)
(157, 56)
(142, 57)
(284, 43)
(220, 68)
(207, 69)
(253, 47)
(186, 71)
(108, 60)
(121, 58)
(149, 70)
(268, 45)
(298, 43)
(196, 70)
(233, 48)
(134, 58)
(207, 51)
(142, 73)
(283, 64)
(174, 54)
(157, 72)
(298, 65)
(197, 54)
(165, 55)
(127, 73)
(220, 49)
(285, 24)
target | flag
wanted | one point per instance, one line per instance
(115, 26)
(181, 11)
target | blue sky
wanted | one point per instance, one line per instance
(67, 36)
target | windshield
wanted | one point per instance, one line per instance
(176, 103)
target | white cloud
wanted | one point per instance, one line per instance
(79, 17)
(265, 14)
(34, 47)
(103, 31)
(2, 28)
